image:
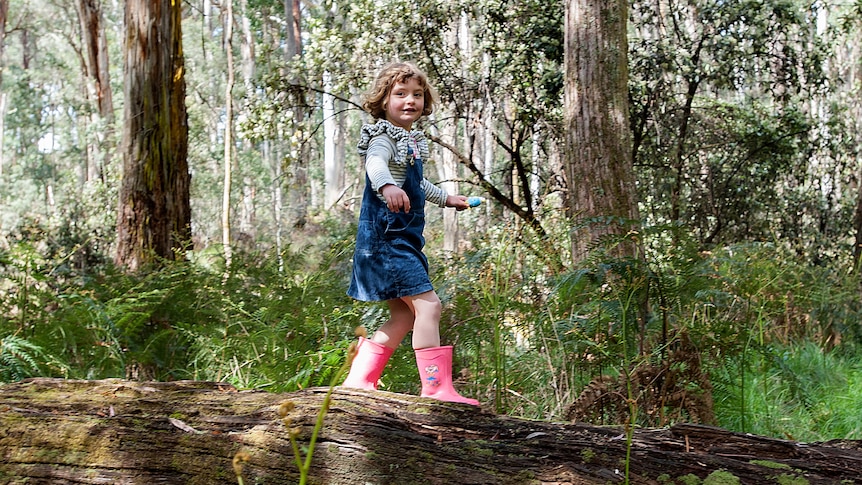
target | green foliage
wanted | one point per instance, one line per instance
(778, 339)
(18, 358)
(282, 330)
(802, 392)
(524, 42)
(257, 327)
(751, 311)
(732, 144)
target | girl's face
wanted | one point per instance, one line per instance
(405, 103)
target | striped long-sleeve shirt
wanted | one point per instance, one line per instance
(382, 168)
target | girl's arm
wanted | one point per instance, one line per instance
(434, 194)
(380, 151)
(438, 195)
(377, 168)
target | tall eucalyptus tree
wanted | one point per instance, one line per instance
(154, 220)
(247, 213)
(334, 150)
(599, 173)
(228, 134)
(848, 67)
(298, 154)
(96, 64)
(4, 12)
(333, 146)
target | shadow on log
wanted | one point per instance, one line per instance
(120, 432)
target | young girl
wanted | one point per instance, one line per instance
(388, 264)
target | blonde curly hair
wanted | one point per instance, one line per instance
(374, 101)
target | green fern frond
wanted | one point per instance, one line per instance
(19, 358)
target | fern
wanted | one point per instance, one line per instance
(19, 358)
(530, 337)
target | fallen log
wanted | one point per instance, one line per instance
(122, 432)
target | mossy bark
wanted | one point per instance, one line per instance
(121, 432)
(601, 195)
(154, 218)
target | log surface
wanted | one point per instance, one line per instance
(121, 432)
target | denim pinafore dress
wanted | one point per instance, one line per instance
(388, 261)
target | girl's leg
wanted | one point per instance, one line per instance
(400, 322)
(426, 308)
(434, 362)
(372, 355)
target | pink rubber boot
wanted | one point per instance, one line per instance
(367, 365)
(435, 370)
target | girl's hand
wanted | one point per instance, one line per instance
(459, 202)
(396, 198)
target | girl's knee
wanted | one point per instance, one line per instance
(431, 309)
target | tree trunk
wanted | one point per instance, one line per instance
(55, 431)
(855, 73)
(298, 153)
(228, 136)
(600, 177)
(485, 137)
(154, 220)
(247, 48)
(272, 154)
(98, 87)
(857, 225)
(247, 215)
(4, 11)
(333, 157)
(447, 173)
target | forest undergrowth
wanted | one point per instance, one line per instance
(750, 338)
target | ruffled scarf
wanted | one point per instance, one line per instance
(400, 135)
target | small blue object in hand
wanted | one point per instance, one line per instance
(475, 201)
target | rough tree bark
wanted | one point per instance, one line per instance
(121, 432)
(154, 219)
(298, 153)
(4, 12)
(598, 158)
(228, 135)
(333, 147)
(97, 72)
